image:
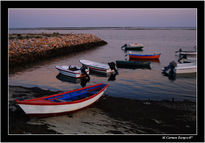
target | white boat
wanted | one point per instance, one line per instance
(186, 53)
(181, 68)
(62, 103)
(186, 68)
(71, 71)
(189, 53)
(97, 67)
(133, 46)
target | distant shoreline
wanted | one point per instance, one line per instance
(104, 28)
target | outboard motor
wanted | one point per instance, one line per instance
(171, 74)
(83, 71)
(84, 81)
(171, 66)
(113, 67)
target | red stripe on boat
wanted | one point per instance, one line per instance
(40, 101)
(144, 56)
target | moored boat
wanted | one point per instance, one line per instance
(186, 53)
(189, 53)
(72, 71)
(181, 68)
(132, 64)
(143, 56)
(133, 46)
(63, 102)
(97, 67)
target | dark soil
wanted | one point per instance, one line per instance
(157, 117)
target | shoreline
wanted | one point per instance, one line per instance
(111, 115)
(26, 49)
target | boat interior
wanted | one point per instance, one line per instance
(76, 95)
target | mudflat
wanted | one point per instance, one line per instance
(109, 115)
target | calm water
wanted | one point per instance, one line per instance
(130, 83)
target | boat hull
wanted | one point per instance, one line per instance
(134, 56)
(188, 69)
(45, 109)
(132, 64)
(100, 70)
(134, 48)
(96, 67)
(69, 73)
(188, 53)
(54, 109)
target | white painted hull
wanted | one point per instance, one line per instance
(96, 67)
(189, 53)
(104, 71)
(75, 74)
(134, 45)
(186, 68)
(55, 109)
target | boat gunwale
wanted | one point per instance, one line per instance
(62, 103)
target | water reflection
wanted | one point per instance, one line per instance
(82, 81)
(186, 75)
(171, 75)
(64, 78)
(112, 76)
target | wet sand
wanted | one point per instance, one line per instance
(109, 115)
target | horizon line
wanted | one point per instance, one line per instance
(104, 27)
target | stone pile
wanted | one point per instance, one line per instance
(29, 50)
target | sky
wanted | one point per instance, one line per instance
(101, 17)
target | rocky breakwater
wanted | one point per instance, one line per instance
(25, 49)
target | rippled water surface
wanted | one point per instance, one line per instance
(130, 83)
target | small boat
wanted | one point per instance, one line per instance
(181, 68)
(187, 53)
(96, 67)
(133, 46)
(132, 64)
(72, 71)
(63, 102)
(145, 60)
(141, 56)
(186, 68)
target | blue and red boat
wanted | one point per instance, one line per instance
(142, 56)
(63, 102)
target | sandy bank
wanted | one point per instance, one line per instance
(29, 48)
(109, 115)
